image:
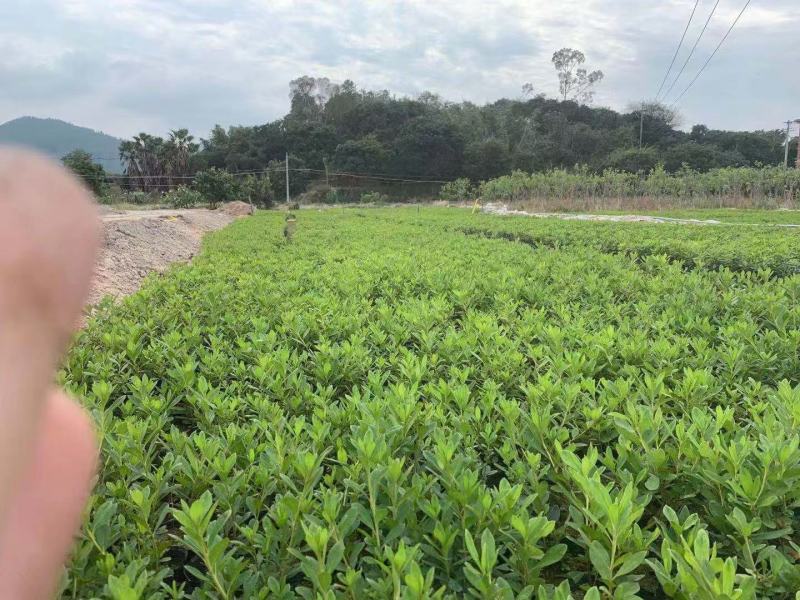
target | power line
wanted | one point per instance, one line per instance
(388, 175)
(678, 49)
(696, 43)
(149, 177)
(406, 179)
(376, 177)
(192, 177)
(280, 168)
(713, 54)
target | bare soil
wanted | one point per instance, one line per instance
(499, 209)
(138, 242)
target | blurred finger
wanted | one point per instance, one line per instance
(48, 239)
(45, 512)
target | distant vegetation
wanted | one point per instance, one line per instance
(764, 187)
(359, 131)
(354, 140)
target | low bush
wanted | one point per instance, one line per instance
(217, 186)
(258, 190)
(460, 190)
(115, 195)
(335, 196)
(183, 197)
(733, 186)
(374, 198)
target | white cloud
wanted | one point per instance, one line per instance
(124, 65)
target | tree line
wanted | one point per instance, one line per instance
(343, 128)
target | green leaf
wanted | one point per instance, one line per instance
(601, 561)
(553, 555)
(592, 594)
(630, 563)
(470, 544)
(334, 559)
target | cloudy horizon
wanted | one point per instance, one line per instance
(126, 66)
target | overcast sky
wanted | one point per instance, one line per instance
(124, 66)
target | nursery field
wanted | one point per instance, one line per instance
(404, 403)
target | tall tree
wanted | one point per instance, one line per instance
(655, 121)
(366, 155)
(143, 158)
(81, 164)
(574, 81)
(309, 96)
(429, 146)
(486, 159)
(178, 150)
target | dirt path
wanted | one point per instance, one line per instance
(138, 242)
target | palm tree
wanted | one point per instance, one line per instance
(178, 151)
(144, 160)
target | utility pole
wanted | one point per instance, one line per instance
(641, 126)
(287, 179)
(786, 149)
(327, 177)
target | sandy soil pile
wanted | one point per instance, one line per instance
(236, 209)
(141, 241)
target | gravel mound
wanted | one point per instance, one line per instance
(236, 209)
(140, 242)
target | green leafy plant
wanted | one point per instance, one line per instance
(258, 190)
(432, 403)
(374, 198)
(460, 190)
(183, 197)
(217, 186)
(634, 174)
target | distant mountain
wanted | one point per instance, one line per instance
(57, 138)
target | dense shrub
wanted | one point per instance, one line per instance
(366, 155)
(700, 157)
(258, 190)
(114, 194)
(183, 197)
(762, 184)
(374, 198)
(486, 159)
(216, 186)
(335, 196)
(460, 190)
(633, 160)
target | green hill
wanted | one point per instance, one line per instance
(57, 138)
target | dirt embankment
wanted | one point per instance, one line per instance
(138, 242)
